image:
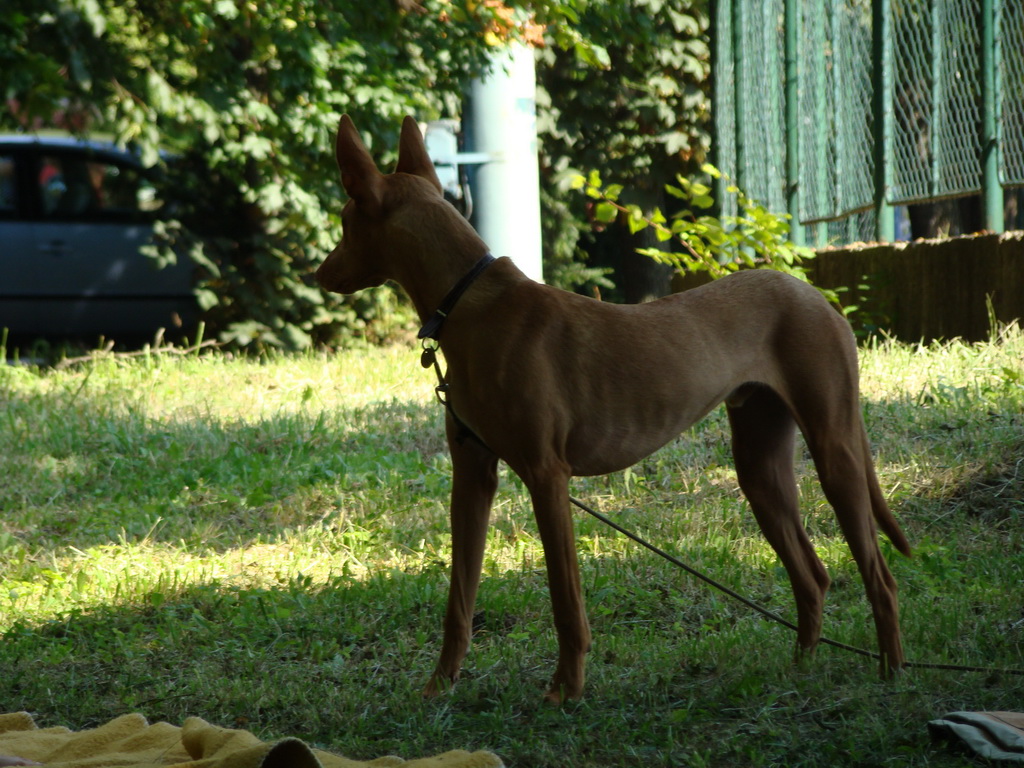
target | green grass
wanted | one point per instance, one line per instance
(264, 544)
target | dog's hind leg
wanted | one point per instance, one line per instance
(474, 482)
(840, 450)
(549, 491)
(840, 456)
(763, 432)
(879, 506)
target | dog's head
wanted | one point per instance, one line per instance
(392, 224)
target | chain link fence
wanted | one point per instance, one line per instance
(836, 112)
(936, 143)
(1011, 77)
(896, 102)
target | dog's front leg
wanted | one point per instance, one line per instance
(474, 481)
(549, 491)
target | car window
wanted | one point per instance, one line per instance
(75, 186)
(8, 185)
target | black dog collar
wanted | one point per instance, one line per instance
(432, 328)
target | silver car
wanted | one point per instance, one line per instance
(73, 217)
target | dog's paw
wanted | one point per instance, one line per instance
(560, 693)
(437, 685)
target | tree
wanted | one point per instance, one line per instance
(247, 96)
(641, 123)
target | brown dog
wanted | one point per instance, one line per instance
(557, 384)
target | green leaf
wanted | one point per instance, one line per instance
(206, 299)
(605, 212)
(227, 9)
(592, 55)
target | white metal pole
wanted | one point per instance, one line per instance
(503, 126)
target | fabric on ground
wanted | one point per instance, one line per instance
(130, 741)
(995, 735)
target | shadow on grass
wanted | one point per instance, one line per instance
(301, 659)
(281, 662)
(341, 666)
(676, 676)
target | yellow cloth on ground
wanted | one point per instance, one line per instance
(131, 741)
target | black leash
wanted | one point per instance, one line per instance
(430, 333)
(764, 611)
(708, 580)
(432, 328)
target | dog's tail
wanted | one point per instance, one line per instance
(880, 507)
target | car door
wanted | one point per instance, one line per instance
(96, 214)
(19, 279)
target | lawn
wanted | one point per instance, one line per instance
(263, 543)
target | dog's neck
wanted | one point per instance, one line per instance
(428, 282)
(432, 327)
(446, 249)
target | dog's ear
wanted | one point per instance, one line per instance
(412, 154)
(359, 175)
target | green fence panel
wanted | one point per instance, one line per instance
(927, 55)
(936, 148)
(836, 167)
(723, 85)
(760, 101)
(816, 114)
(1010, 26)
(851, 30)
